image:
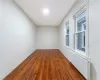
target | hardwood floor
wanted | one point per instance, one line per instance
(45, 65)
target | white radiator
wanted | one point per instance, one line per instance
(82, 64)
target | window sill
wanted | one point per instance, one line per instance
(68, 47)
(79, 53)
(82, 54)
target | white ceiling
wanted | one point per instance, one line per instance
(58, 9)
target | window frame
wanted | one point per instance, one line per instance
(78, 14)
(66, 33)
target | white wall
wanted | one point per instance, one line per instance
(73, 56)
(94, 37)
(17, 37)
(79, 4)
(47, 37)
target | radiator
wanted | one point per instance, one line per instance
(82, 64)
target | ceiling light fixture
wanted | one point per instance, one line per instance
(46, 11)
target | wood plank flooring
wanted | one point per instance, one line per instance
(45, 65)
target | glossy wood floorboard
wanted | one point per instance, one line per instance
(45, 65)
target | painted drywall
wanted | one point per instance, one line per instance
(17, 37)
(94, 37)
(47, 37)
(73, 56)
(62, 28)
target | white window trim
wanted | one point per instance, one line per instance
(67, 23)
(75, 32)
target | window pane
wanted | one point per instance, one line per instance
(81, 24)
(67, 40)
(81, 41)
(84, 25)
(68, 30)
(80, 30)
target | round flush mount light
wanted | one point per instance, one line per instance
(46, 11)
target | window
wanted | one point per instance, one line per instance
(80, 21)
(67, 34)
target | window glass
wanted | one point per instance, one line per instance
(81, 24)
(68, 30)
(67, 40)
(67, 34)
(81, 41)
(80, 31)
